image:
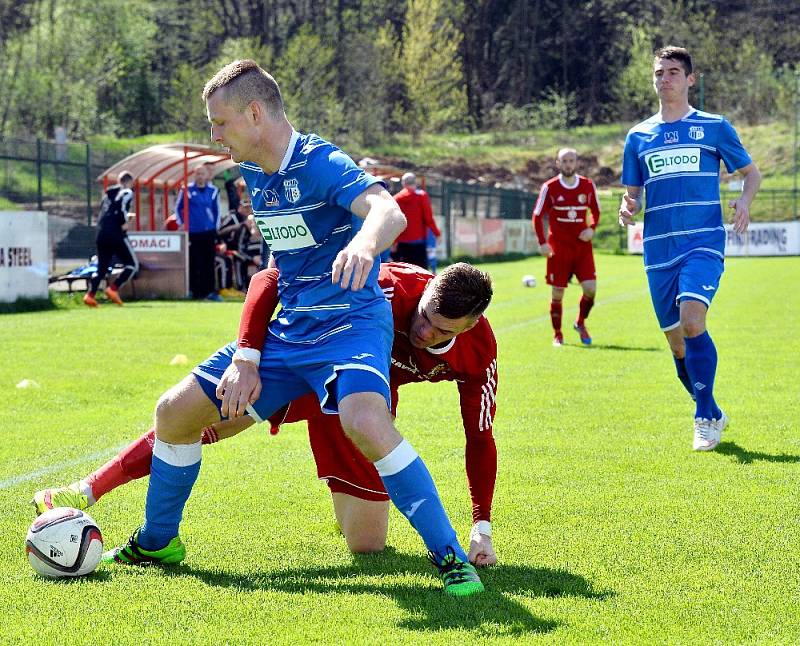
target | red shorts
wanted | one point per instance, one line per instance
(570, 260)
(339, 463)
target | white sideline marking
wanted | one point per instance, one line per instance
(61, 466)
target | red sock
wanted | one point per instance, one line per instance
(555, 315)
(113, 288)
(131, 463)
(585, 307)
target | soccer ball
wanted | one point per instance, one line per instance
(64, 542)
(529, 281)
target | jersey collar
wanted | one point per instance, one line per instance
(565, 185)
(660, 117)
(287, 157)
(444, 348)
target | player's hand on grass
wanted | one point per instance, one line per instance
(240, 385)
(586, 235)
(546, 250)
(481, 551)
(351, 267)
(628, 209)
(741, 215)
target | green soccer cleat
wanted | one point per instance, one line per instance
(134, 554)
(460, 578)
(70, 496)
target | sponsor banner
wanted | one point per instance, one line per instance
(520, 237)
(143, 241)
(673, 160)
(764, 239)
(635, 238)
(23, 255)
(479, 237)
(284, 232)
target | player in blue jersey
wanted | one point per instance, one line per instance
(333, 334)
(674, 156)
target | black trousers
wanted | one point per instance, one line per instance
(110, 247)
(201, 263)
(412, 252)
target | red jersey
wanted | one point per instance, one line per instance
(416, 206)
(470, 359)
(567, 208)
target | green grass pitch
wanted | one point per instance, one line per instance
(609, 529)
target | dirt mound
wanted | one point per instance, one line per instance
(529, 178)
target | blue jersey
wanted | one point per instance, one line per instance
(303, 212)
(677, 163)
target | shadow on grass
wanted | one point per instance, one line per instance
(748, 457)
(492, 612)
(622, 348)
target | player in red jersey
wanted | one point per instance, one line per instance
(566, 200)
(429, 345)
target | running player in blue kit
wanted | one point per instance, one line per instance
(332, 336)
(675, 155)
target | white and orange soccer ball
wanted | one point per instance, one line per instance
(528, 280)
(64, 542)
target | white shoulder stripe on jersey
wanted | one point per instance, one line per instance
(250, 166)
(688, 144)
(297, 209)
(661, 207)
(687, 232)
(537, 210)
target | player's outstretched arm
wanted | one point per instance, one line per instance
(383, 222)
(631, 204)
(240, 384)
(741, 205)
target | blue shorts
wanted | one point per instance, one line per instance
(353, 361)
(695, 277)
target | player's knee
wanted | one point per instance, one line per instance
(692, 326)
(365, 542)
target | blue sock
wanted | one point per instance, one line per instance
(411, 488)
(173, 472)
(701, 364)
(680, 366)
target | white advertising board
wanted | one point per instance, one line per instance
(764, 239)
(23, 255)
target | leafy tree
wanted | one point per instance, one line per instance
(431, 67)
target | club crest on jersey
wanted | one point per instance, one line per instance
(671, 137)
(582, 198)
(291, 190)
(270, 197)
(696, 133)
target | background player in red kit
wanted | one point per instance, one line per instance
(430, 344)
(566, 200)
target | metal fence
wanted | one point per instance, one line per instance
(459, 204)
(60, 179)
(53, 177)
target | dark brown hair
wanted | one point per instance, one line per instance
(676, 54)
(461, 290)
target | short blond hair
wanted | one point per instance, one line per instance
(566, 151)
(244, 81)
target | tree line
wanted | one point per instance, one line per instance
(366, 69)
